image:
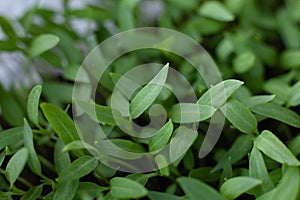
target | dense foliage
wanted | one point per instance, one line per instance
(256, 46)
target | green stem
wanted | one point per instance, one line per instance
(47, 163)
(17, 190)
(25, 182)
(47, 180)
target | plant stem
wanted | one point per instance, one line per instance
(47, 163)
(25, 182)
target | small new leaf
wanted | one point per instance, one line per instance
(33, 104)
(161, 138)
(144, 98)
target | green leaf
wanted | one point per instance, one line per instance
(57, 92)
(76, 145)
(49, 196)
(70, 73)
(240, 117)
(278, 112)
(266, 196)
(33, 193)
(287, 29)
(119, 102)
(33, 104)
(120, 148)
(224, 49)
(161, 137)
(227, 172)
(257, 169)
(62, 124)
(189, 160)
(162, 165)
(243, 62)
(7, 45)
(66, 40)
(183, 140)
(127, 84)
(236, 186)
(79, 168)
(294, 145)
(104, 114)
(52, 58)
(242, 94)
(144, 98)
(276, 174)
(211, 27)
(10, 136)
(290, 59)
(294, 95)
(141, 178)
(7, 28)
(2, 157)
(61, 160)
(104, 171)
(278, 87)
(190, 112)
(33, 160)
(236, 6)
(93, 190)
(271, 146)
(288, 187)
(66, 190)
(205, 174)
(257, 100)
(89, 12)
(16, 165)
(127, 188)
(215, 10)
(125, 16)
(218, 94)
(153, 195)
(185, 5)
(11, 110)
(241, 146)
(196, 189)
(128, 145)
(42, 43)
